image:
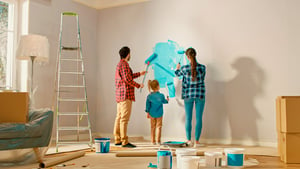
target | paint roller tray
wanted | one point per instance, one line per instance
(175, 144)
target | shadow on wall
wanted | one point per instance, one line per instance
(214, 115)
(240, 94)
(234, 101)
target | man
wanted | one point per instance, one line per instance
(124, 96)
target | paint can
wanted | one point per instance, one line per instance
(189, 162)
(164, 159)
(235, 157)
(184, 151)
(213, 159)
(102, 145)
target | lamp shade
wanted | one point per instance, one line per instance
(33, 45)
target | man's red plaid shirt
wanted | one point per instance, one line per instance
(124, 82)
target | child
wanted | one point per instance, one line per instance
(154, 109)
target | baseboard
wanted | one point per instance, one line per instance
(239, 142)
(97, 135)
(134, 138)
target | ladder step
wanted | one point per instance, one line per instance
(73, 142)
(69, 48)
(71, 86)
(74, 73)
(76, 60)
(74, 128)
(73, 113)
(72, 100)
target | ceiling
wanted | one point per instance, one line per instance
(102, 4)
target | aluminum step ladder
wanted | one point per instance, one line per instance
(72, 115)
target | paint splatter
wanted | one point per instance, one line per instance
(169, 54)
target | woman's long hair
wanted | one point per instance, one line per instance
(191, 53)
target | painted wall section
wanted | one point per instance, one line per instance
(164, 65)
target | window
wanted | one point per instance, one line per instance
(7, 41)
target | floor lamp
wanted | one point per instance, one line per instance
(34, 48)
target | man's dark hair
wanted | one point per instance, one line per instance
(124, 51)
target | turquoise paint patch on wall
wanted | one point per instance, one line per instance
(164, 65)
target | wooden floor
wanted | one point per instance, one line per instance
(271, 162)
(269, 159)
(110, 161)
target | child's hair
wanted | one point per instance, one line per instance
(153, 85)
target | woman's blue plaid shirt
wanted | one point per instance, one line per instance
(192, 89)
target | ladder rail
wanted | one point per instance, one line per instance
(83, 70)
(58, 82)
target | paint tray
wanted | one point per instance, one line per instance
(175, 144)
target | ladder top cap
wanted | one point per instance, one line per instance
(69, 13)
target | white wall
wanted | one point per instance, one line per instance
(44, 19)
(250, 48)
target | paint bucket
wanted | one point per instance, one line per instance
(102, 145)
(189, 162)
(184, 151)
(213, 158)
(164, 159)
(235, 157)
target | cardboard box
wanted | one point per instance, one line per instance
(278, 114)
(14, 107)
(289, 147)
(280, 145)
(288, 114)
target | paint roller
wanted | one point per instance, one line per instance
(180, 52)
(148, 61)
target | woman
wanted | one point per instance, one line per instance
(193, 92)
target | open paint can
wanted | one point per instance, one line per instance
(235, 157)
(102, 145)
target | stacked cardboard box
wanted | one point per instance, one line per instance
(14, 107)
(288, 128)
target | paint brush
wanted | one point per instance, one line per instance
(167, 90)
(148, 61)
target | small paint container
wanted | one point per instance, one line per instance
(102, 145)
(164, 159)
(213, 159)
(235, 157)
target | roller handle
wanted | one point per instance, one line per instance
(145, 75)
